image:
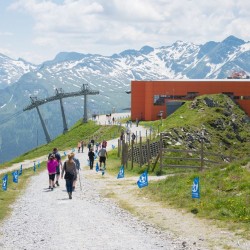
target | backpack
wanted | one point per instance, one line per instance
(77, 162)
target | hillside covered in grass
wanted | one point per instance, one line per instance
(224, 188)
(80, 131)
(217, 119)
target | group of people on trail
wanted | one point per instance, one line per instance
(101, 153)
(70, 170)
(80, 146)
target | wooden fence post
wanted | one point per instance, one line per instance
(148, 153)
(119, 147)
(132, 154)
(202, 154)
(140, 151)
(161, 148)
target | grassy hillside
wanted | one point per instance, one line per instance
(80, 131)
(225, 189)
(224, 125)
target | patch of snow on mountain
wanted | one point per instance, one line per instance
(245, 47)
(39, 75)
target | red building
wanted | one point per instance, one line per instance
(151, 99)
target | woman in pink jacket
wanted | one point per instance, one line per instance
(51, 166)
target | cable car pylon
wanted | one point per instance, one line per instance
(59, 95)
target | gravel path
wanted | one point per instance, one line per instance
(44, 219)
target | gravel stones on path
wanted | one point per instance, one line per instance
(44, 219)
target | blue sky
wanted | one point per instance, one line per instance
(37, 30)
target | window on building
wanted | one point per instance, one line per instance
(159, 99)
(192, 95)
(229, 94)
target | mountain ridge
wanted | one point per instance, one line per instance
(110, 75)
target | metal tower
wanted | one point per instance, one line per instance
(59, 95)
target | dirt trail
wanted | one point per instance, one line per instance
(199, 232)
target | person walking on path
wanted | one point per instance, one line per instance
(69, 167)
(104, 144)
(82, 145)
(91, 156)
(103, 155)
(59, 164)
(79, 145)
(51, 167)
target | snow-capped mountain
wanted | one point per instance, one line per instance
(11, 70)
(111, 75)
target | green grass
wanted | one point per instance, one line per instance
(225, 194)
(80, 131)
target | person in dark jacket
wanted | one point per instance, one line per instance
(91, 156)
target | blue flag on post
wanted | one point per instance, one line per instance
(113, 146)
(5, 182)
(143, 180)
(196, 188)
(97, 167)
(34, 167)
(38, 164)
(65, 154)
(21, 170)
(121, 173)
(15, 176)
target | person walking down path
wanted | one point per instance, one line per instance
(51, 167)
(82, 145)
(59, 164)
(103, 155)
(91, 156)
(69, 167)
(79, 145)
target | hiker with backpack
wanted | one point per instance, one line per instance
(69, 168)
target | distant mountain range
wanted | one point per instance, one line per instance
(111, 75)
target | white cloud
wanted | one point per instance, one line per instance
(108, 26)
(6, 34)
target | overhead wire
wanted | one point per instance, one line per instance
(15, 115)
